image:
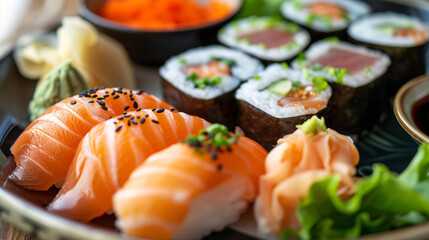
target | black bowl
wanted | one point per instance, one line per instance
(151, 46)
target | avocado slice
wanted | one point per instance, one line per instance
(281, 87)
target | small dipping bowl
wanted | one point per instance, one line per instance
(155, 46)
(405, 98)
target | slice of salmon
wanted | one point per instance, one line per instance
(174, 188)
(211, 69)
(111, 151)
(44, 151)
(326, 9)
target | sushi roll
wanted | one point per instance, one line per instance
(324, 18)
(357, 76)
(268, 38)
(203, 81)
(402, 37)
(191, 188)
(278, 99)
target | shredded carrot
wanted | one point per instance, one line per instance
(164, 14)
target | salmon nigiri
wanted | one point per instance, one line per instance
(312, 152)
(111, 151)
(191, 188)
(44, 151)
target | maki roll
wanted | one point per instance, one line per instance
(356, 75)
(278, 99)
(203, 81)
(268, 38)
(402, 37)
(324, 18)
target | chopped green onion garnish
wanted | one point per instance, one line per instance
(202, 83)
(291, 28)
(285, 65)
(181, 60)
(306, 74)
(300, 59)
(317, 67)
(263, 46)
(246, 41)
(367, 70)
(320, 82)
(257, 77)
(296, 85)
(331, 39)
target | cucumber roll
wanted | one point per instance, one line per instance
(324, 18)
(203, 81)
(268, 38)
(357, 76)
(276, 100)
(402, 37)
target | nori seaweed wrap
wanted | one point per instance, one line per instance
(270, 39)
(324, 18)
(276, 100)
(202, 82)
(402, 37)
(356, 75)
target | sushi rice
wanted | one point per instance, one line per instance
(229, 36)
(253, 92)
(244, 68)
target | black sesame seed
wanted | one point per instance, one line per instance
(124, 113)
(129, 123)
(126, 108)
(125, 93)
(104, 108)
(138, 109)
(101, 102)
(219, 167)
(132, 118)
(105, 96)
(154, 121)
(153, 109)
(132, 99)
(134, 122)
(147, 115)
(138, 117)
(140, 92)
(120, 88)
(91, 101)
(135, 105)
(103, 87)
(116, 97)
(118, 128)
(127, 116)
(172, 109)
(115, 122)
(214, 156)
(94, 96)
(72, 102)
(131, 93)
(160, 110)
(120, 118)
(142, 120)
(106, 92)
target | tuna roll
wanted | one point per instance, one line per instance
(357, 77)
(324, 18)
(275, 101)
(203, 81)
(402, 37)
(268, 38)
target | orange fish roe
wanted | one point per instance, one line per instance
(164, 14)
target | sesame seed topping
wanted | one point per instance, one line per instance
(134, 122)
(106, 92)
(153, 109)
(154, 121)
(219, 167)
(125, 93)
(132, 118)
(118, 128)
(72, 102)
(101, 102)
(120, 118)
(126, 108)
(129, 122)
(116, 97)
(100, 98)
(147, 115)
(142, 120)
(115, 122)
(214, 156)
(135, 105)
(172, 109)
(160, 110)
(127, 116)
(138, 117)
(91, 101)
(138, 109)
(104, 108)
(94, 96)
(132, 99)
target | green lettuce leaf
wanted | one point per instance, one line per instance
(382, 201)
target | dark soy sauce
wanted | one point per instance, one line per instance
(420, 114)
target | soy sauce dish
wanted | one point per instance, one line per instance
(411, 107)
(150, 41)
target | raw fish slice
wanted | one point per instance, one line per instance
(110, 152)
(44, 151)
(180, 193)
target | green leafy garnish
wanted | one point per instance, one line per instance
(320, 82)
(381, 202)
(213, 139)
(257, 77)
(331, 39)
(306, 74)
(181, 60)
(272, 21)
(313, 126)
(316, 67)
(367, 70)
(291, 28)
(285, 65)
(263, 46)
(297, 4)
(311, 18)
(296, 85)
(202, 83)
(291, 46)
(300, 59)
(245, 41)
(338, 73)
